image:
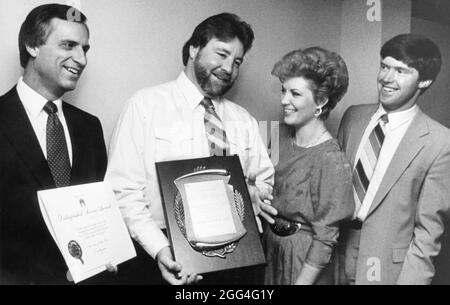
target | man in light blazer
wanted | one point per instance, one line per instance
(53, 54)
(401, 160)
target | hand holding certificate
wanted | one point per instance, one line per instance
(87, 226)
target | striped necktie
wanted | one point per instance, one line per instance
(57, 152)
(217, 138)
(367, 161)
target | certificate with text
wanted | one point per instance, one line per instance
(87, 226)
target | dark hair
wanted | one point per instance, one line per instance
(224, 27)
(417, 52)
(34, 30)
(326, 72)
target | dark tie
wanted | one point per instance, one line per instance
(57, 153)
(217, 138)
(365, 166)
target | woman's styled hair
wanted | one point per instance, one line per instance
(325, 71)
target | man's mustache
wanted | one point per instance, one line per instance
(224, 76)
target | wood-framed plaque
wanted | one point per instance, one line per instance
(209, 215)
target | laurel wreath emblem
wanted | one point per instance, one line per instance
(211, 252)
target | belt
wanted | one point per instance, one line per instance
(283, 227)
(355, 224)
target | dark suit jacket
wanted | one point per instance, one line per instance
(402, 233)
(28, 254)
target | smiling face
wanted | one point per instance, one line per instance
(298, 102)
(398, 85)
(215, 67)
(56, 66)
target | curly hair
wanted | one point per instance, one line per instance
(224, 27)
(325, 71)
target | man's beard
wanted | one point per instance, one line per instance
(212, 89)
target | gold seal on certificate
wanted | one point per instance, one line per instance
(209, 214)
(87, 226)
(75, 250)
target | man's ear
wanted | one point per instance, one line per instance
(33, 51)
(425, 84)
(193, 51)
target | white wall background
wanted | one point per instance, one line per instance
(137, 43)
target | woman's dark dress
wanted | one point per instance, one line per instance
(312, 186)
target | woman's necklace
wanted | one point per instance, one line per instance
(316, 140)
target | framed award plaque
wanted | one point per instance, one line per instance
(209, 215)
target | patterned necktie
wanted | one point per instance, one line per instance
(367, 161)
(217, 138)
(57, 153)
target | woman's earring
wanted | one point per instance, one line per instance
(318, 111)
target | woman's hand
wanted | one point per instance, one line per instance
(261, 202)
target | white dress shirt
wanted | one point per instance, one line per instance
(394, 131)
(34, 104)
(166, 122)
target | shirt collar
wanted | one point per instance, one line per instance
(396, 119)
(191, 93)
(379, 113)
(32, 101)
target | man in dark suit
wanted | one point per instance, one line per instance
(401, 160)
(44, 142)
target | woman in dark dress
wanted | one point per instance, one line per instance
(313, 188)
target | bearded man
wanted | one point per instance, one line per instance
(185, 118)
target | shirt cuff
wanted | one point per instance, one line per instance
(152, 240)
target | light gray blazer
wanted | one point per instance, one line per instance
(402, 233)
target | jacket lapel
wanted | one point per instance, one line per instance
(411, 144)
(17, 128)
(361, 120)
